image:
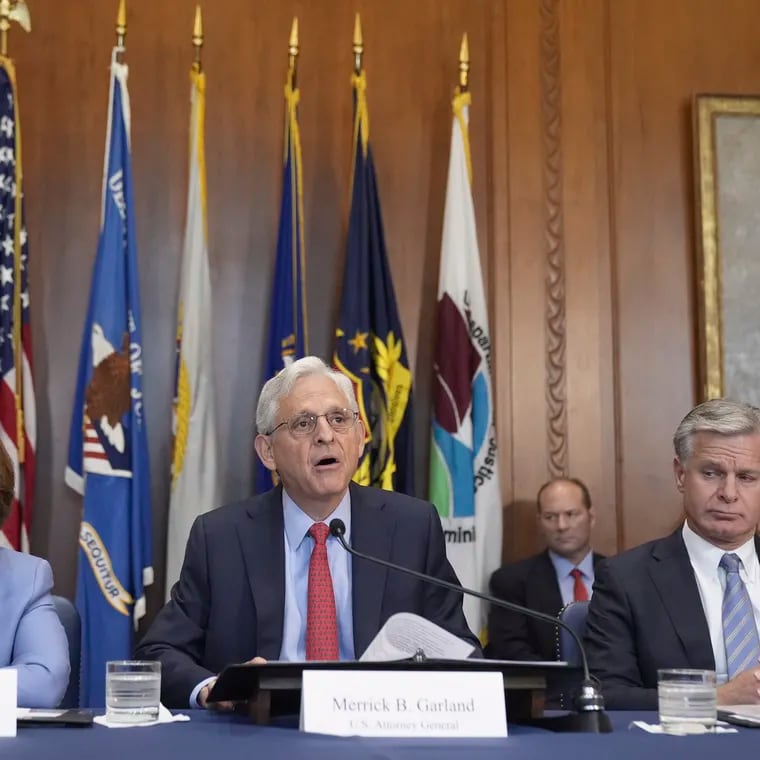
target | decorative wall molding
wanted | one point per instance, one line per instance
(551, 108)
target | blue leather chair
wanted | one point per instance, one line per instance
(72, 624)
(574, 614)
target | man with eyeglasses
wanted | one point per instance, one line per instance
(264, 579)
(561, 574)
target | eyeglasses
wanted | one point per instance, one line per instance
(340, 420)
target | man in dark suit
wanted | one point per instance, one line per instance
(692, 599)
(563, 573)
(263, 579)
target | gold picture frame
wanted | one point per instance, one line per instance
(727, 159)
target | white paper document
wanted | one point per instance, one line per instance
(405, 633)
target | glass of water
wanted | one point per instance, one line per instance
(133, 691)
(687, 701)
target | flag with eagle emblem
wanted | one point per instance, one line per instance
(108, 453)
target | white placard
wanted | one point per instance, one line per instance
(407, 703)
(8, 701)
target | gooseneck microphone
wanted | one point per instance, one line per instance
(590, 714)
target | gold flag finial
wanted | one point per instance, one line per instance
(121, 24)
(198, 37)
(12, 10)
(464, 64)
(5, 25)
(358, 44)
(293, 51)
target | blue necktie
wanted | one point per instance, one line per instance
(739, 630)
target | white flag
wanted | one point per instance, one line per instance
(464, 473)
(194, 467)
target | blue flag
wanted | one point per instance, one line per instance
(370, 347)
(108, 454)
(287, 339)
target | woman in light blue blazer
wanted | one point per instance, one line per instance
(32, 639)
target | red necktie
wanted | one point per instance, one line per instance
(580, 594)
(321, 620)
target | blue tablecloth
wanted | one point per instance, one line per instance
(227, 737)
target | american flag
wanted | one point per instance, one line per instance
(17, 410)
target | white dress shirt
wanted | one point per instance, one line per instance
(711, 582)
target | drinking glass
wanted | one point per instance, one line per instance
(133, 691)
(687, 701)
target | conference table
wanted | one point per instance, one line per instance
(217, 736)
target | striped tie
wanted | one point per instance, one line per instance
(739, 630)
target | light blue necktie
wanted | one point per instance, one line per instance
(739, 630)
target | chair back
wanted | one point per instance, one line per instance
(72, 624)
(574, 614)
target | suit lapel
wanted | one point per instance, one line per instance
(673, 576)
(551, 597)
(263, 545)
(370, 534)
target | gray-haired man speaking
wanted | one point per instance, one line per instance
(263, 577)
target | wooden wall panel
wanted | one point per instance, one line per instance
(661, 55)
(527, 273)
(590, 381)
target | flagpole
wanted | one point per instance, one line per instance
(461, 100)
(5, 25)
(358, 45)
(12, 10)
(464, 65)
(121, 28)
(293, 54)
(359, 82)
(198, 40)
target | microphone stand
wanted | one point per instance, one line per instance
(589, 716)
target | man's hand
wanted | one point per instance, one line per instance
(206, 690)
(743, 689)
(203, 697)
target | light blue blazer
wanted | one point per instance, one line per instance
(32, 639)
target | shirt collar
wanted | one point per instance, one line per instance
(705, 557)
(297, 522)
(563, 566)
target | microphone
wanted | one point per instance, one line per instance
(590, 715)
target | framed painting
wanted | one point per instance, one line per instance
(727, 157)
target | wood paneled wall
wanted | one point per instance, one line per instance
(580, 130)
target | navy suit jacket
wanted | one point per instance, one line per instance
(532, 583)
(228, 605)
(645, 614)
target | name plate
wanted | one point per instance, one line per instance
(409, 703)
(8, 701)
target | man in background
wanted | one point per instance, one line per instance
(562, 573)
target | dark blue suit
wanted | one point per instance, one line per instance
(532, 583)
(645, 614)
(228, 605)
